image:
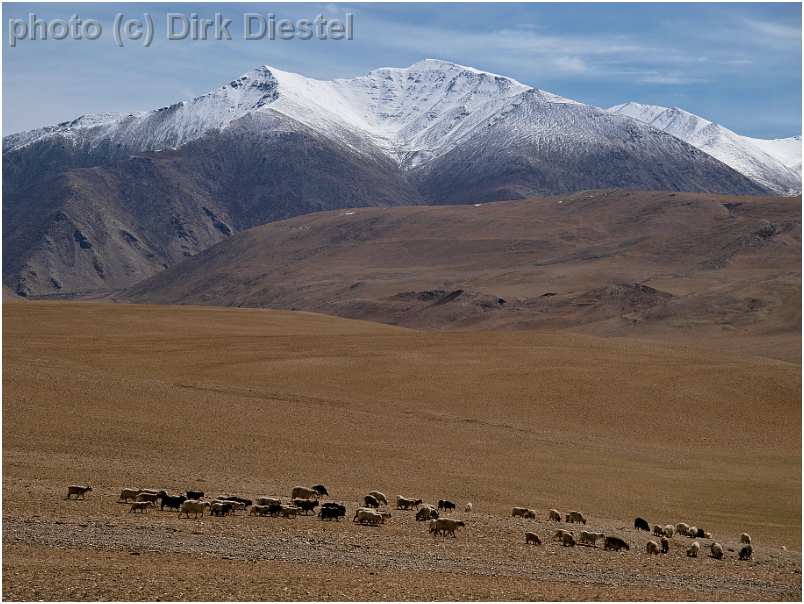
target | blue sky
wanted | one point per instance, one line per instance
(737, 64)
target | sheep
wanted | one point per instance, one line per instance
(194, 495)
(127, 494)
(306, 505)
(220, 508)
(559, 534)
(652, 548)
(370, 501)
(706, 534)
(616, 544)
(140, 506)
(590, 538)
(693, 549)
(172, 503)
(367, 517)
(468, 507)
(303, 493)
(259, 510)
(682, 528)
(567, 540)
(576, 517)
(149, 496)
(405, 503)
(379, 497)
(331, 510)
(246, 502)
(745, 538)
(289, 511)
(518, 511)
(665, 545)
(746, 552)
(692, 532)
(446, 526)
(658, 531)
(79, 490)
(426, 512)
(532, 538)
(668, 531)
(446, 505)
(269, 501)
(321, 490)
(641, 524)
(554, 516)
(195, 506)
(716, 551)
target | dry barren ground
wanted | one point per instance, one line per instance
(254, 402)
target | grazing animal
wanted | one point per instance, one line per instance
(559, 534)
(746, 552)
(260, 510)
(576, 517)
(554, 516)
(716, 551)
(369, 517)
(468, 507)
(321, 490)
(405, 503)
(127, 494)
(140, 506)
(194, 495)
(289, 511)
(171, 502)
(658, 530)
(616, 544)
(79, 490)
(306, 505)
(665, 545)
(193, 506)
(330, 511)
(149, 496)
(269, 501)
(693, 532)
(590, 538)
(651, 547)
(446, 526)
(567, 540)
(641, 524)
(446, 505)
(693, 549)
(246, 502)
(702, 534)
(668, 531)
(519, 512)
(379, 497)
(371, 501)
(220, 508)
(303, 493)
(533, 538)
(427, 512)
(745, 538)
(706, 535)
(682, 528)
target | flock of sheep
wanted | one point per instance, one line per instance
(374, 512)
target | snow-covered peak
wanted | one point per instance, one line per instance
(775, 164)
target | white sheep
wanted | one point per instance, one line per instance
(140, 506)
(682, 528)
(716, 551)
(555, 516)
(745, 538)
(303, 493)
(195, 506)
(269, 501)
(368, 516)
(693, 532)
(693, 549)
(79, 490)
(652, 547)
(468, 507)
(668, 531)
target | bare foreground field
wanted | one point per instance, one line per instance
(253, 402)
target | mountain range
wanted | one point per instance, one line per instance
(103, 201)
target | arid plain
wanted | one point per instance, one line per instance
(253, 402)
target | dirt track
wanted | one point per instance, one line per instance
(254, 402)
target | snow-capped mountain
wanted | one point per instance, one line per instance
(105, 200)
(775, 164)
